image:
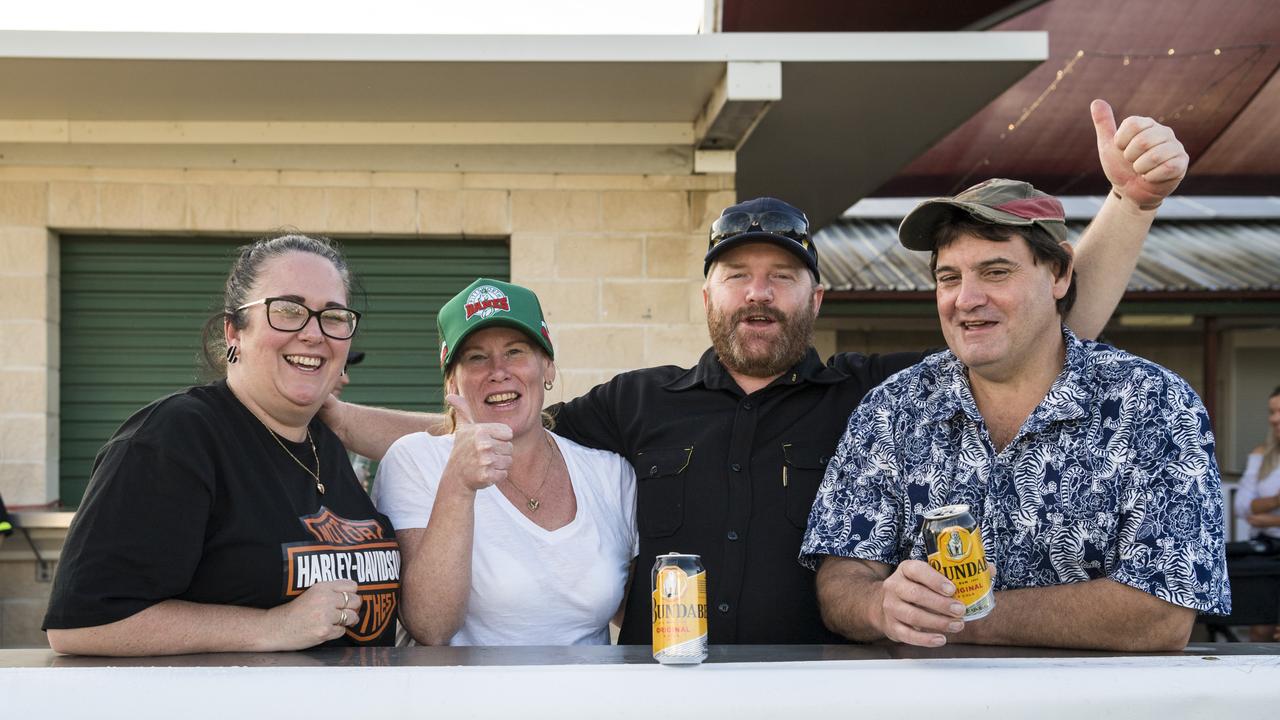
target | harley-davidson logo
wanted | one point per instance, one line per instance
(348, 550)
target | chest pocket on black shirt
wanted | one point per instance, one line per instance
(802, 469)
(660, 490)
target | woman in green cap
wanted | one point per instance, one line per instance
(510, 535)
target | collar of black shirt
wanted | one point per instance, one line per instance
(711, 374)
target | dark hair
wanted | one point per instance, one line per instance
(244, 273)
(1044, 248)
(1274, 392)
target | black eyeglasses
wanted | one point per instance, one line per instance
(287, 315)
(788, 225)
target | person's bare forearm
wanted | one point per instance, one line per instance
(1105, 258)
(848, 591)
(1262, 520)
(1097, 614)
(171, 627)
(437, 581)
(370, 431)
(1145, 162)
(1265, 504)
(174, 627)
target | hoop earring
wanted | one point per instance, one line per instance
(233, 354)
(547, 384)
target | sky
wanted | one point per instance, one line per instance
(479, 17)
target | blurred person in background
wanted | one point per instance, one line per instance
(1258, 499)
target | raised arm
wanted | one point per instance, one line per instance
(1144, 162)
(369, 431)
(436, 584)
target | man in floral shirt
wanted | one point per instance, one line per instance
(1090, 472)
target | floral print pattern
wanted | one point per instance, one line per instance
(1111, 476)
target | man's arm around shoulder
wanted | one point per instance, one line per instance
(370, 431)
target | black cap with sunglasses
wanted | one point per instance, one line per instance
(763, 220)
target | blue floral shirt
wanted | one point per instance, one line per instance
(1113, 475)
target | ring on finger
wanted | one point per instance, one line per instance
(342, 620)
(345, 598)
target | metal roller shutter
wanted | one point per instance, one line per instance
(132, 309)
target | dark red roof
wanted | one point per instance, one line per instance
(1218, 88)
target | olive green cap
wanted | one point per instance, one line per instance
(996, 201)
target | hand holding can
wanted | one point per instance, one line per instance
(953, 544)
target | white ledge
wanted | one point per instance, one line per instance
(718, 47)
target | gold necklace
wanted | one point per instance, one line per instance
(533, 503)
(315, 475)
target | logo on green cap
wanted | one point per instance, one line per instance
(485, 301)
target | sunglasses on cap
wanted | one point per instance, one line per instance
(774, 222)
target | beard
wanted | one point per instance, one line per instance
(777, 356)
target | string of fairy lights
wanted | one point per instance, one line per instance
(1245, 57)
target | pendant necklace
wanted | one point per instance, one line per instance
(314, 475)
(532, 502)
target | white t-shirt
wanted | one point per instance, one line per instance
(529, 586)
(1253, 486)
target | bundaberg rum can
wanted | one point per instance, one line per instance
(954, 545)
(679, 592)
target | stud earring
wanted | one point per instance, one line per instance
(233, 354)
(547, 384)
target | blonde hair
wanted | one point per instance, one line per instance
(1270, 447)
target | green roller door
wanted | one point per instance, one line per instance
(132, 309)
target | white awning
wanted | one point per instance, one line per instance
(817, 118)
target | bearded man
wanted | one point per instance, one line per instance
(729, 453)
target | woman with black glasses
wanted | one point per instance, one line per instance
(226, 517)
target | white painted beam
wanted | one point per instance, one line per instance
(708, 47)
(344, 133)
(706, 162)
(737, 104)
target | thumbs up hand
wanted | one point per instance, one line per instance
(1142, 158)
(481, 453)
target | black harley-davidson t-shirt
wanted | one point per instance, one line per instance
(192, 499)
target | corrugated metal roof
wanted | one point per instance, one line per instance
(864, 255)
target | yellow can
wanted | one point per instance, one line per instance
(679, 593)
(954, 546)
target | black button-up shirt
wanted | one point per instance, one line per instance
(730, 477)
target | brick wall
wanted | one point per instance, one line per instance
(616, 260)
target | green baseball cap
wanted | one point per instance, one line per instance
(490, 303)
(997, 201)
